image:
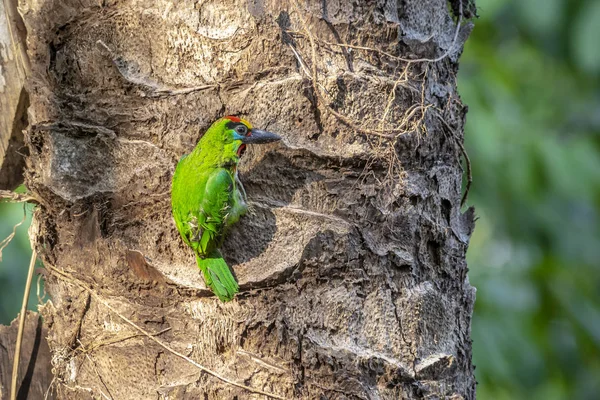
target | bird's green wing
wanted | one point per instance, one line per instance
(214, 207)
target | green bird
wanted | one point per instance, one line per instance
(207, 196)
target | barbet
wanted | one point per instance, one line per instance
(207, 196)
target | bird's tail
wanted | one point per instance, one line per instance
(217, 275)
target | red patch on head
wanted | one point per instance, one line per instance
(233, 119)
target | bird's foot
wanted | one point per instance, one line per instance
(251, 209)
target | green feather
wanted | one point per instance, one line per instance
(217, 276)
(206, 201)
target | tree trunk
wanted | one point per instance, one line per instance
(352, 262)
(34, 367)
(14, 67)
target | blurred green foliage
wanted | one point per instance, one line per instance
(530, 74)
(15, 261)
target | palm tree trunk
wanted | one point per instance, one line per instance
(352, 263)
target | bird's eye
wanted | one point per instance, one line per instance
(241, 129)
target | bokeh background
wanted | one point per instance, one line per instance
(530, 74)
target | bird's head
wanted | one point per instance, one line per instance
(236, 133)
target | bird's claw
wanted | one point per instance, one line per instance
(251, 209)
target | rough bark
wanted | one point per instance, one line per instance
(34, 367)
(13, 97)
(352, 264)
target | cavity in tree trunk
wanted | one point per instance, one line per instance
(352, 264)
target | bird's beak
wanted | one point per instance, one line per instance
(256, 136)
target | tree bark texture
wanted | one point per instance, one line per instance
(34, 366)
(14, 67)
(351, 263)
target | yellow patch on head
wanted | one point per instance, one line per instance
(237, 119)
